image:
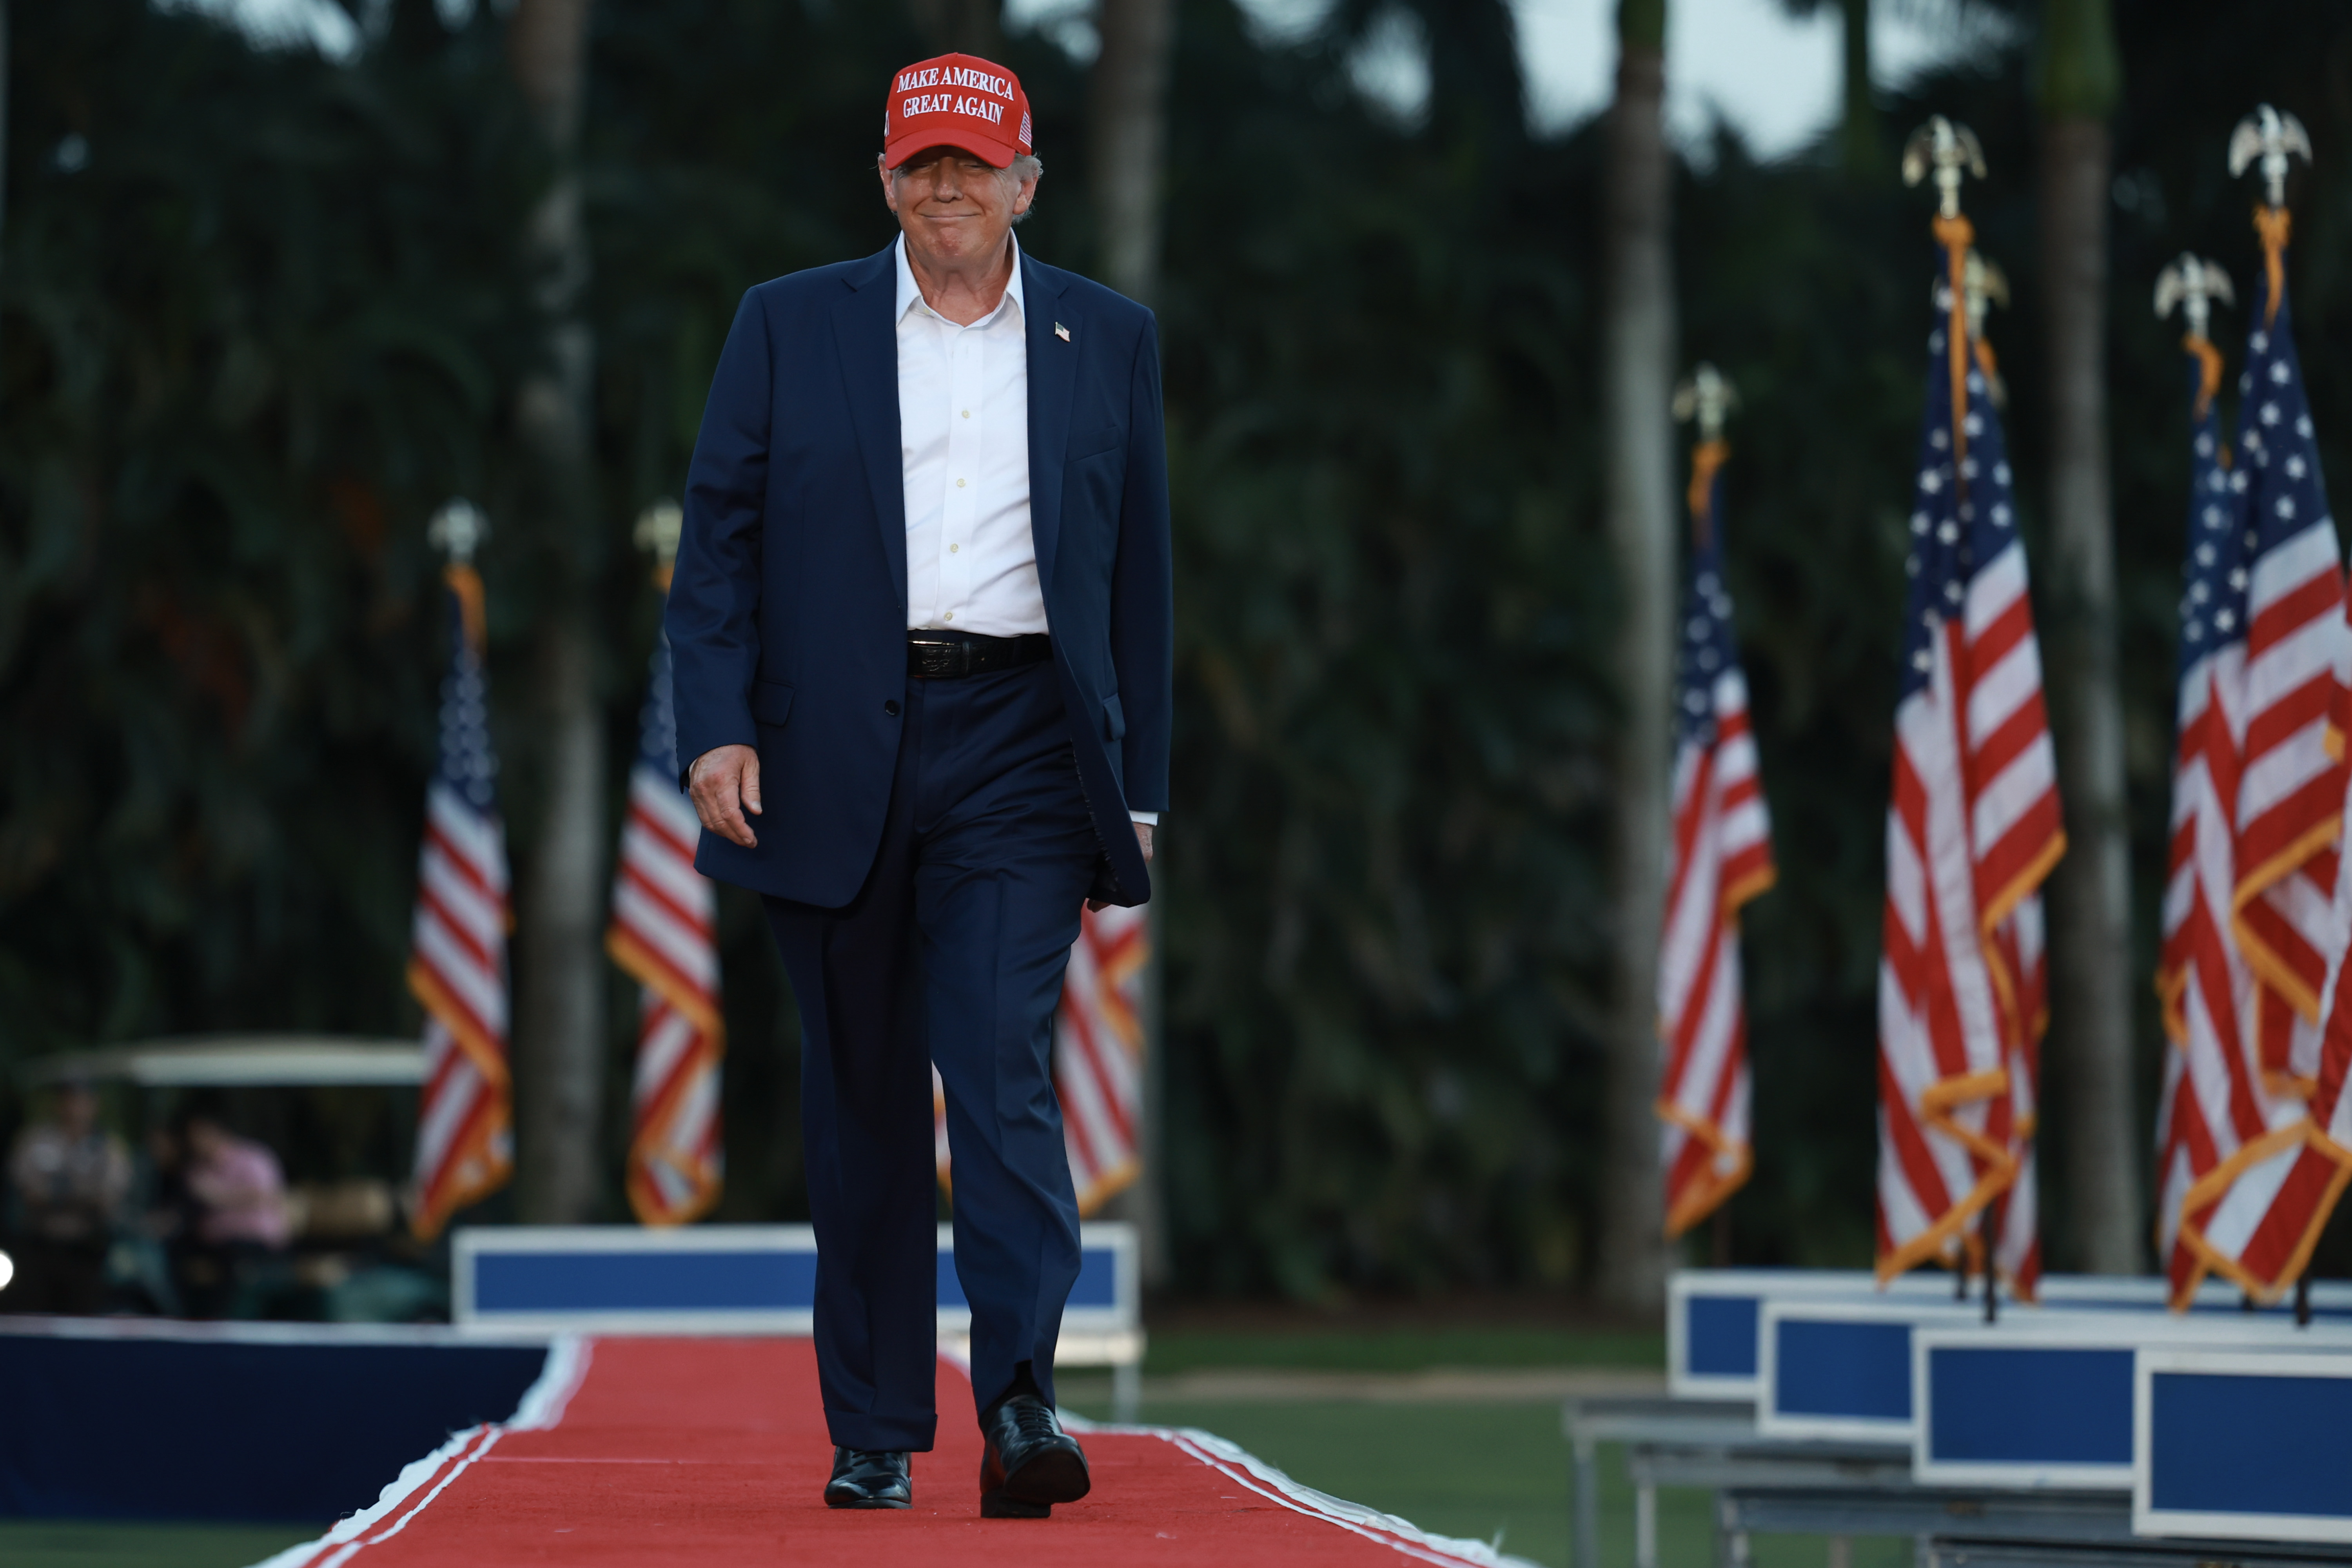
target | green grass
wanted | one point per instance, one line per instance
(47, 1543)
(1488, 1472)
(1398, 1349)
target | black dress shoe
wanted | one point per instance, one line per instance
(863, 1478)
(1027, 1463)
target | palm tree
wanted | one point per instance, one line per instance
(2091, 895)
(1858, 118)
(1637, 361)
(965, 27)
(1128, 111)
(1127, 129)
(559, 1014)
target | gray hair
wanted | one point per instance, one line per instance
(1024, 168)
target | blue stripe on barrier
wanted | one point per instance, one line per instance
(2044, 1406)
(2224, 1443)
(750, 1279)
(1721, 1335)
(587, 1281)
(1856, 1370)
(1098, 1283)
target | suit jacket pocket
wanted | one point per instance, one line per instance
(771, 702)
(1114, 719)
(1094, 443)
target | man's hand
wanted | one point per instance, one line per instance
(724, 783)
(1143, 840)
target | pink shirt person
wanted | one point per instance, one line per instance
(239, 1186)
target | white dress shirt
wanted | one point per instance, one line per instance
(964, 446)
(964, 451)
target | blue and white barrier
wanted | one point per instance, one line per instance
(1840, 1368)
(2243, 1444)
(741, 1280)
(1714, 1319)
(2047, 1399)
(1717, 1335)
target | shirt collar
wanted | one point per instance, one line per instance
(909, 296)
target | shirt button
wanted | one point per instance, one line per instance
(953, 547)
(948, 616)
(958, 484)
(967, 413)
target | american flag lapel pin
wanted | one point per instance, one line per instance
(1061, 331)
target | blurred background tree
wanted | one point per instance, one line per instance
(2090, 896)
(261, 311)
(1637, 375)
(560, 971)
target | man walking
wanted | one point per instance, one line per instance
(922, 631)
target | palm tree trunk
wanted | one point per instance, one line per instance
(1858, 127)
(1128, 115)
(2091, 936)
(559, 1013)
(2091, 933)
(966, 27)
(1638, 348)
(1127, 125)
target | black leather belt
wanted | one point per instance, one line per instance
(951, 656)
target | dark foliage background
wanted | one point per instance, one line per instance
(259, 313)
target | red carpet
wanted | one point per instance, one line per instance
(714, 1452)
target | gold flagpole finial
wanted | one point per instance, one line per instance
(1706, 396)
(1982, 284)
(659, 528)
(2193, 284)
(2273, 136)
(458, 530)
(1948, 151)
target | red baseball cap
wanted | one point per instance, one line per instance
(956, 101)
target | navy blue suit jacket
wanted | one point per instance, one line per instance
(787, 613)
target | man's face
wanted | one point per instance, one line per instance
(207, 1139)
(953, 206)
(78, 1111)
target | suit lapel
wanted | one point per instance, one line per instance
(867, 338)
(1053, 372)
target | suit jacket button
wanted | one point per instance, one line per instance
(892, 708)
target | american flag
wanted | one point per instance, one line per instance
(1722, 858)
(1098, 1052)
(2261, 1231)
(1972, 830)
(1098, 1058)
(457, 961)
(664, 934)
(2291, 789)
(2251, 1171)
(2214, 1099)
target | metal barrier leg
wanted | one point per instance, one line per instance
(1645, 1526)
(1731, 1548)
(1126, 1391)
(1841, 1552)
(1587, 1506)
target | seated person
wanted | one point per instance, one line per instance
(239, 1196)
(70, 1177)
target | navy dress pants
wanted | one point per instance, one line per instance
(952, 954)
